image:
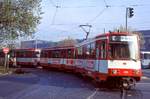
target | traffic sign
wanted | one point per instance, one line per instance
(6, 50)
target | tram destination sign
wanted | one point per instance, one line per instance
(123, 38)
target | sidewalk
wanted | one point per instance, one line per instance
(5, 72)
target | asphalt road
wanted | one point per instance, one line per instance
(41, 84)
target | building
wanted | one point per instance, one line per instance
(146, 36)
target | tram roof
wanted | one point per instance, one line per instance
(102, 37)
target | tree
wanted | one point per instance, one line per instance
(19, 18)
(67, 42)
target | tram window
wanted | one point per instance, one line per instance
(92, 48)
(69, 53)
(49, 54)
(44, 54)
(80, 51)
(88, 49)
(63, 53)
(20, 53)
(119, 51)
(56, 54)
(103, 50)
(23, 54)
(29, 54)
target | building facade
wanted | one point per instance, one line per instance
(146, 36)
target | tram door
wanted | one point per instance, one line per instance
(101, 56)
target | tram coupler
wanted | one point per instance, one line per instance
(127, 83)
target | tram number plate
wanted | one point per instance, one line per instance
(125, 72)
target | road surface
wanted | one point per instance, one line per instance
(41, 84)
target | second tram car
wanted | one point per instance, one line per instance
(58, 57)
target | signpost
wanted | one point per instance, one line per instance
(5, 50)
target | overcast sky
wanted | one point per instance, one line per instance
(61, 18)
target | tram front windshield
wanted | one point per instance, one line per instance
(124, 47)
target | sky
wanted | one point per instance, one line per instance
(62, 18)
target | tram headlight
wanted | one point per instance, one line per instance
(136, 72)
(114, 71)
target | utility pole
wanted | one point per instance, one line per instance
(85, 30)
(126, 19)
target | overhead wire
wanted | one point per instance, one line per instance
(65, 7)
(55, 14)
(106, 4)
(93, 19)
(52, 3)
(57, 6)
(100, 13)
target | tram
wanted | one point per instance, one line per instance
(26, 57)
(111, 57)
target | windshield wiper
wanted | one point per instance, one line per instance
(133, 59)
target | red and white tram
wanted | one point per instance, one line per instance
(27, 57)
(112, 57)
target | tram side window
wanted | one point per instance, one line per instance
(19, 54)
(49, 53)
(79, 52)
(70, 55)
(102, 50)
(90, 50)
(56, 54)
(35, 54)
(93, 50)
(23, 54)
(43, 54)
(28, 54)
